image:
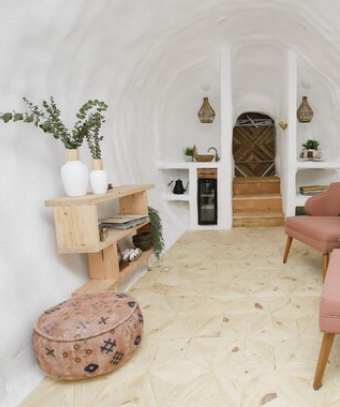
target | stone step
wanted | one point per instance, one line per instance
(256, 186)
(258, 219)
(257, 203)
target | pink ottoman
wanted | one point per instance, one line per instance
(88, 336)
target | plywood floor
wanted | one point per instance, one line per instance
(226, 324)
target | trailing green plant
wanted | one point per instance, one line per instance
(156, 231)
(311, 145)
(188, 151)
(48, 119)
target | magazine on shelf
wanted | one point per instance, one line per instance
(123, 221)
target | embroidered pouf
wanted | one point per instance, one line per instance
(88, 335)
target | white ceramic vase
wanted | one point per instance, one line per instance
(98, 178)
(74, 175)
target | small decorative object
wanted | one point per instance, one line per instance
(73, 173)
(143, 240)
(178, 188)
(304, 112)
(188, 153)
(283, 125)
(206, 114)
(131, 254)
(103, 233)
(202, 158)
(89, 335)
(156, 231)
(311, 150)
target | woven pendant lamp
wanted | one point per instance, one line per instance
(206, 114)
(305, 112)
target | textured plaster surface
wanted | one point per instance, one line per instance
(137, 56)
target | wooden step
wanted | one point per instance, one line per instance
(257, 203)
(258, 219)
(256, 186)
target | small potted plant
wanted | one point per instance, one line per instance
(188, 154)
(310, 150)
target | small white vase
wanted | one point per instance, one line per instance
(188, 158)
(74, 175)
(98, 178)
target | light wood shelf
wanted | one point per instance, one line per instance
(77, 231)
(96, 285)
(128, 268)
(90, 199)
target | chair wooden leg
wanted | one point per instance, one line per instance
(325, 350)
(325, 261)
(288, 246)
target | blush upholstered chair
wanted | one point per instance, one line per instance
(321, 228)
(329, 315)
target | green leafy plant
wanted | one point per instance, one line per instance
(188, 151)
(156, 231)
(311, 145)
(48, 119)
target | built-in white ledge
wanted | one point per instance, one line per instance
(301, 199)
(322, 165)
(186, 165)
(176, 197)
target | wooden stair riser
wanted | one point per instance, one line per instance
(258, 222)
(256, 188)
(256, 204)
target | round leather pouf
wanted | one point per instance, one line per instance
(88, 335)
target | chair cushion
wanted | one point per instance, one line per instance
(88, 335)
(330, 298)
(320, 232)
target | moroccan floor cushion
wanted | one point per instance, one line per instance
(88, 335)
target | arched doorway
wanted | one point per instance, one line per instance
(254, 145)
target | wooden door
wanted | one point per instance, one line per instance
(254, 150)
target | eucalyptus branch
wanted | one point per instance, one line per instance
(48, 119)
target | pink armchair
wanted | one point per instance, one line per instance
(329, 319)
(321, 228)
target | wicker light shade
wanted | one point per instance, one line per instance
(206, 113)
(304, 112)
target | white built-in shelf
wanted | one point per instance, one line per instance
(175, 197)
(301, 199)
(322, 165)
(186, 165)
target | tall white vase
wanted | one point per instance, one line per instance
(98, 178)
(74, 175)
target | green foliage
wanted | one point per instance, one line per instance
(48, 120)
(156, 231)
(311, 145)
(188, 151)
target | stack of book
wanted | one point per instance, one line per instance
(123, 221)
(313, 189)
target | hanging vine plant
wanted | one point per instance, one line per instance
(156, 231)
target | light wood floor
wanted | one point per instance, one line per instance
(226, 324)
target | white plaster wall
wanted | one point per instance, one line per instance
(129, 54)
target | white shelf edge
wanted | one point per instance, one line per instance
(174, 197)
(322, 165)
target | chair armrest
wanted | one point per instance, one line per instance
(325, 204)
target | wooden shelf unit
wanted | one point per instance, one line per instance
(77, 231)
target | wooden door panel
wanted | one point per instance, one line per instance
(254, 151)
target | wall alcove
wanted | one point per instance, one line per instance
(254, 145)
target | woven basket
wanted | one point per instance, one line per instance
(204, 158)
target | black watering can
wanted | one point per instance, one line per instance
(178, 188)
